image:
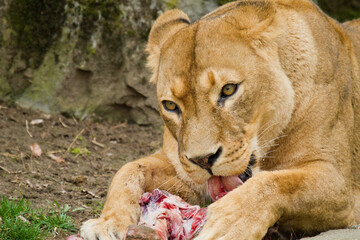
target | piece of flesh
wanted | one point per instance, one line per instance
(173, 218)
(170, 216)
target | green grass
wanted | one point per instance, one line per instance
(20, 221)
(96, 207)
(80, 151)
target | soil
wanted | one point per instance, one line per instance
(82, 180)
(100, 148)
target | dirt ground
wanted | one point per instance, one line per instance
(79, 177)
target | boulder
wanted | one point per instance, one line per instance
(81, 57)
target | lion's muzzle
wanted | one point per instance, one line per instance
(207, 160)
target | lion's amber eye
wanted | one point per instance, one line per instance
(169, 105)
(228, 90)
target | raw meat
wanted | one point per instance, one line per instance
(170, 216)
(173, 218)
(75, 237)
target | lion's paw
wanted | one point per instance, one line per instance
(99, 229)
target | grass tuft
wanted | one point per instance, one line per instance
(20, 221)
(96, 207)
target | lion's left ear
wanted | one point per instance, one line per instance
(165, 26)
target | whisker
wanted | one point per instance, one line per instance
(268, 157)
(179, 180)
(271, 151)
(261, 130)
(259, 150)
(270, 141)
(261, 135)
(268, 144)
(265, 153)
(264, 126)
(161, 169)
(166, 181)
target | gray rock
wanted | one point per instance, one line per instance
(82, 57)
(352, 233)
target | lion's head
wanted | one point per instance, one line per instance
(221, 90)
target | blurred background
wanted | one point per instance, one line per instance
(86, 57)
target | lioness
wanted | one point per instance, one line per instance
(276, 79)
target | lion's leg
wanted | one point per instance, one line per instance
(314, 197)
(121, 208)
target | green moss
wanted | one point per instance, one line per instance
(80, 151)
(95, 10)
(47, 79)
(92, 51)
(4, 87)
(35, 24)
(222, 2)
(43, 88)
(340, 9)
(170, 4)
(103, 15)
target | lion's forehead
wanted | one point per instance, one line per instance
(203, 45)
(202, 56)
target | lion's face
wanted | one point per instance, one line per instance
(221, 98)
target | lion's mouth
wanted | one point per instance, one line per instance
(219, 186)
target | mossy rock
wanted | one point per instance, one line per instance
(35, 25)
(342, 10)
(222, 2)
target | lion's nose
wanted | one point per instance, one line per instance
(206, 161)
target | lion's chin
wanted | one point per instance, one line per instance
(199, 177)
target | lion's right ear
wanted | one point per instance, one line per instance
(165, 26)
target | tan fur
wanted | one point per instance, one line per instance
(297, 108)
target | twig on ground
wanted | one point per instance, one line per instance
(56, 158)
(12, 156)
(72, 143)
(105, 150)
(2, 168)
(22, 160)
(84, 206)
(119, 125)
(27, 128)
(9, 172)
(36, 121)
(62, 123)
(97, 143)
(74, 119)
(31, 163)
(29, 183)
(93, 165)
(56, 151)
(90, 193)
